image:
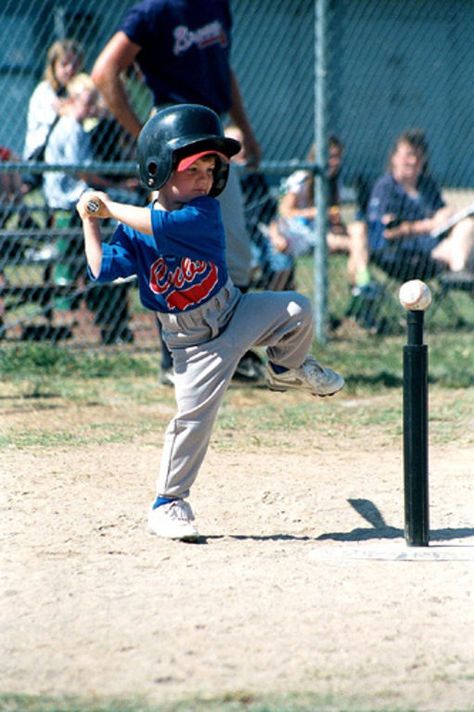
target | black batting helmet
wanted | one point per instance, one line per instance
(178, 132)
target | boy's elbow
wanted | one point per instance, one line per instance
(94, 272)
(94, 265)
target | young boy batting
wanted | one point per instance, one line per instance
(176, 247)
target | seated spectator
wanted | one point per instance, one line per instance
(65, 58)
(10, 184)
(406, 210)
(293, 231)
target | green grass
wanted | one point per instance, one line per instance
(62, 398)
(30, 360)
(376, 363)
(238, 702)
(370, 364)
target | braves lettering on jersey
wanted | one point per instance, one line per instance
(206, 36)
(181, 266)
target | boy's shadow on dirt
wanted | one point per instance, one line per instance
(379, 529)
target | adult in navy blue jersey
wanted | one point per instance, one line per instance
(183, 48)
(406, 212)
(194, 43)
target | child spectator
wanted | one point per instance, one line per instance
(69, 143)
(65, 58)
(176, 247)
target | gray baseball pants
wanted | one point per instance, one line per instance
(207, 344)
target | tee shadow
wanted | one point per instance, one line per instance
(378, 529)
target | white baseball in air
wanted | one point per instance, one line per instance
(415, 295)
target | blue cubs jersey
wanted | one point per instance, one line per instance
(181, 266)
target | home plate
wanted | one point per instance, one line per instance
(393, 552)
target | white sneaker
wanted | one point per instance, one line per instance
(173, 521)
(310, 376)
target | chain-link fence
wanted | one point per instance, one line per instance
(381, 67)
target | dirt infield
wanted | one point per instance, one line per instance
(272, 599)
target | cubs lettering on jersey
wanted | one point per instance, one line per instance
(172, 281)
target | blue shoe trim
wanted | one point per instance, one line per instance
(159, 501)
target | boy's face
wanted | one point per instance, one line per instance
(194, 182)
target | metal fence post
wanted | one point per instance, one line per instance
(320, 134)
(60, 22)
